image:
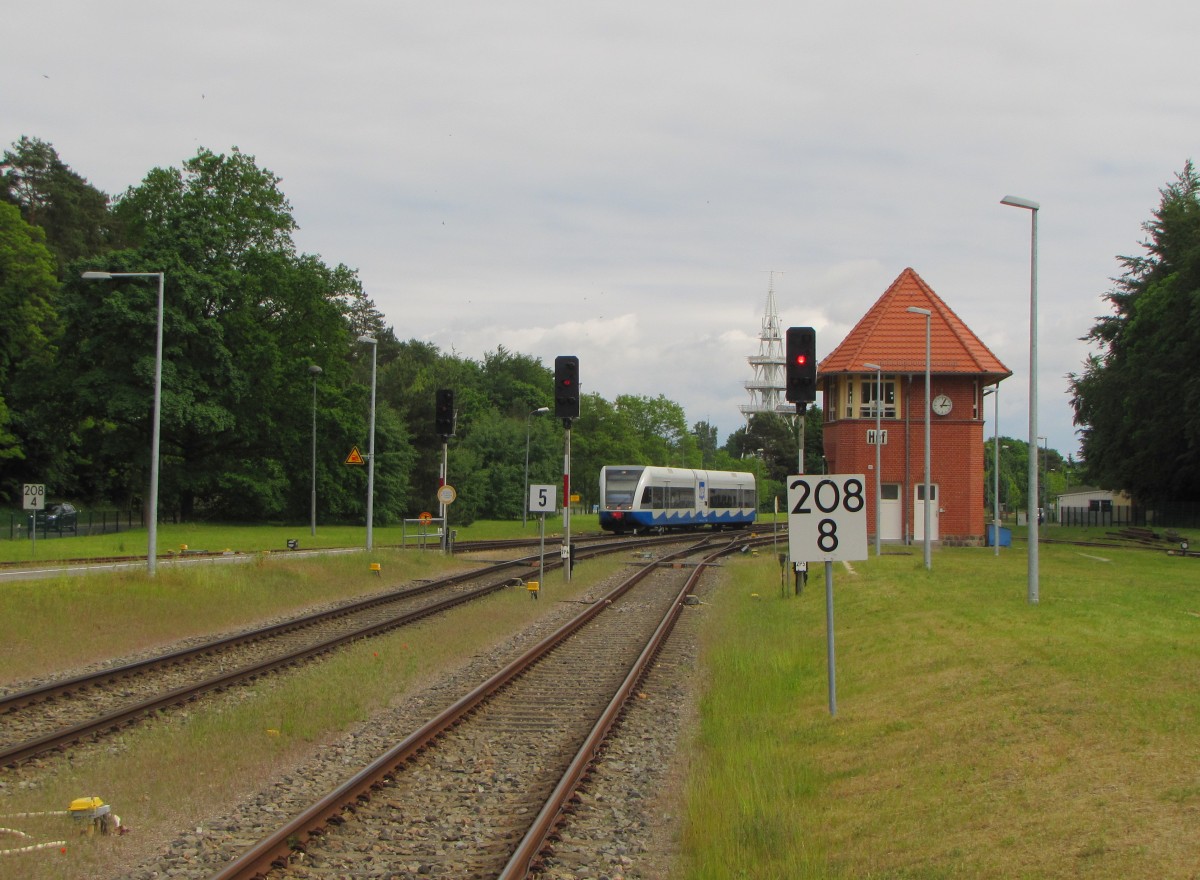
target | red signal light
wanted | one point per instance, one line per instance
(801, 365)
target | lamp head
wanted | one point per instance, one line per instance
(1018, 202)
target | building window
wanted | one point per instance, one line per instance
(888, 402)
(830, 389)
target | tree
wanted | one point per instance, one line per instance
(245, 318)
(1138, 401)
(659, 427)
(211, 213)
(73, 213)
(28, 323)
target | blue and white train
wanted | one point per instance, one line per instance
(635, 498)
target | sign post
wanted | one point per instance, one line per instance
(446, 495)
(35, 500)
(541, 501)
(827, 521)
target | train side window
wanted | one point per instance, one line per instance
(682, 496)
(722, 498)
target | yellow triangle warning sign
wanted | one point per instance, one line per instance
(355, 457)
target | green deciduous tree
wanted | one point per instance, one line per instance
(245, 317)
(1138, 401)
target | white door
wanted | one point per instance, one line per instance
(891, 527)
(919, 512)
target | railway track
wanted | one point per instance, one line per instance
(43, 719)
(476, 791)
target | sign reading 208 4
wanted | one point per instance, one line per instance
(827, 517)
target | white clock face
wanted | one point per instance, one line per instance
(942, 405)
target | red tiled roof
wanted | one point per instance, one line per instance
(894, 338)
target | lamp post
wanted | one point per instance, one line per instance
(1043, 474)
(314, 371)
(152, 542)
(525, 502)
(995, 392)
(878, 436)
(928, 323)
(367, 339)
(1033, 208)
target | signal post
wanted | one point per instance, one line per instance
(566, 407)
(800, 388)
(443, 422)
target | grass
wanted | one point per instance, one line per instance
(64, 622)
(154, 774)
(975, 735)
(253, 539)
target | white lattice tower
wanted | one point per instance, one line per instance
(767, 387)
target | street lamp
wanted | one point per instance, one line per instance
(367, 339)
(928, 322)
(1033, 208)
(1043, 475)
(525, 502)
(314, 371)
(152, 551)
(878, 491)
(995, 391)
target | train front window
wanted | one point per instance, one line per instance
(619, 486)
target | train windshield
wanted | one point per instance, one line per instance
(619, 486)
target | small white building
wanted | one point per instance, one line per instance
(1093, 501)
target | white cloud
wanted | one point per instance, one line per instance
(617, 181)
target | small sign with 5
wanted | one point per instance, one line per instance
(542, 499)
(827, 517)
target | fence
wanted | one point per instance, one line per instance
(1177, 515)
(90, 522)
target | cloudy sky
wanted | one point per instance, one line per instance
(619, 180)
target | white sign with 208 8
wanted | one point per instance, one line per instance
(827, 517)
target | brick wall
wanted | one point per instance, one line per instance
(956, 457)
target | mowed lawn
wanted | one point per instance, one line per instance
(976, 735)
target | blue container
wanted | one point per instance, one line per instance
(1005, 536)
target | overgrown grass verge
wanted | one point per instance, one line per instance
(66, 622)
(976, 735)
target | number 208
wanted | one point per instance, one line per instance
(828, 496)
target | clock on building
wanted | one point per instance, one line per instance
(942, 405)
